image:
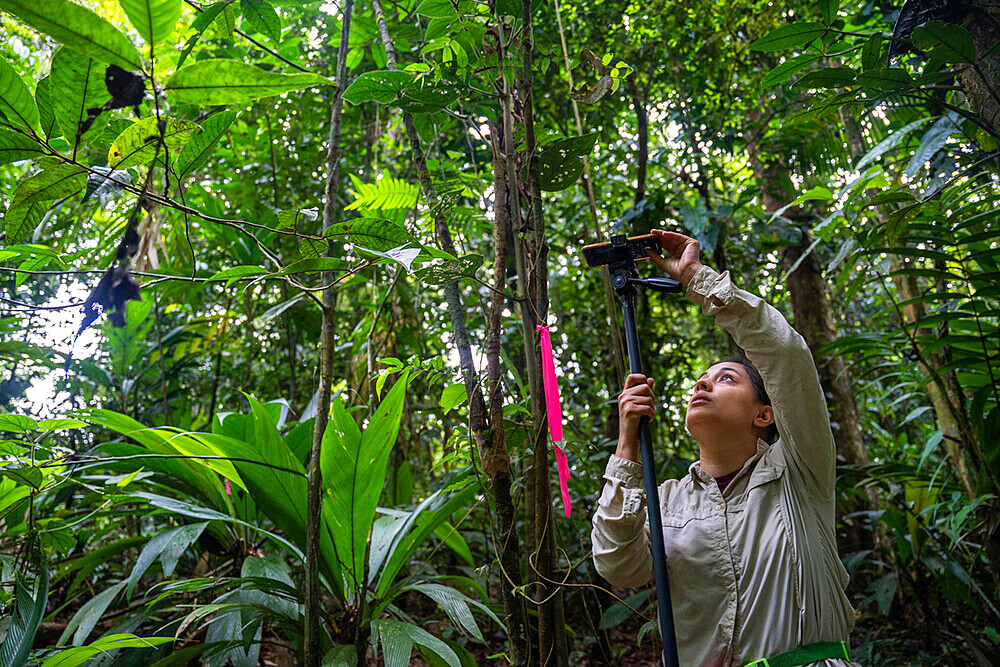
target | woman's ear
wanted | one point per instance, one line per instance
(765, 417)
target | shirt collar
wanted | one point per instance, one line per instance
(696, 471)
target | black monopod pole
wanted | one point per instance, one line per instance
(620, 257)
(652, 499)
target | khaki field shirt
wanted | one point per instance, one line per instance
(753, 572)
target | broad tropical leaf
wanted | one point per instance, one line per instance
(24, 621)
(78, 28)
(397, 639)
(141, 142)
(197, 152)
(16, 103)
(15, 146)
(155, 20)
(79, 81)
(354, 469)
(218, 81)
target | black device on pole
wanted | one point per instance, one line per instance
(619, 255)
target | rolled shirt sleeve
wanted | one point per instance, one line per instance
(786, 365)
(620, 535)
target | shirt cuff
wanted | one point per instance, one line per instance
(628, 472)
(710, 290)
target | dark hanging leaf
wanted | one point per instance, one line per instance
(113, 292)
(589, 93)
(106, 182)
(127, 90)
(917, 12)
(422, 97)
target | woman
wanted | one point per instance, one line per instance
(749, 532)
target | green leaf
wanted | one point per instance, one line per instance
(828, 77)
(437, 9)
(291, 219)
(21, 219)
(386, 193)
(60, 181)
(235, 273)
(560, 163)
(453, 395)
(218, 81)
(949, 42)
(262, 17)
(354, 471)
(199, 149)
(26, 476)
(79, 82)
(934, 140)
(888, 143)
(456, 605)
(788, 69)
(886, 78)
(871, 52)
(46, 106)
(418, 524)
(788, 36)
(619, 612)
(155, 20)
(397, 639)
(16, 102)
(72, 657)
(15, 146)
(78, 28)
(25, 617)
(60, 424)
(450, 270)
(138, 144)
(382, 86)
(828, 9)
(89, 614)
(167, 546)
(225, 22)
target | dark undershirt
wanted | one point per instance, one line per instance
(724, 480)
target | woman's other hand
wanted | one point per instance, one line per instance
(635, 402)
(680, 258)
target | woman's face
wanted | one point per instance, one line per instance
(724, 402)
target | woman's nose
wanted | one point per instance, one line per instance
(702, 385)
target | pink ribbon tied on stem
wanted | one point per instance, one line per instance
(553, 410)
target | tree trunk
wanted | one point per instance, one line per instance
(314, 479)
(982, 79)
(492, 454)
(497, 463)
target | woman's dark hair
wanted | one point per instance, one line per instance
(771, 432)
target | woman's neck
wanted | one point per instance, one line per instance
(719, 460)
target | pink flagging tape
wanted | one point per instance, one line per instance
(553, 410)
(563, 465)
(229, 489)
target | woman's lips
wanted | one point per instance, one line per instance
(698, 399)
